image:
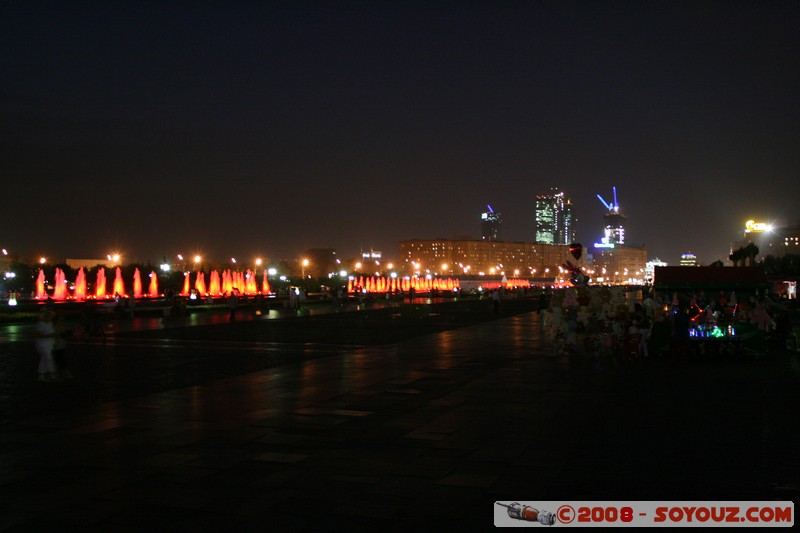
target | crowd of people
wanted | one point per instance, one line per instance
(610, 322)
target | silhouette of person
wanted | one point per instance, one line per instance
(233, 301)
(45, 341)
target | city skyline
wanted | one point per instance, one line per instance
(188, 254)
(267, 130)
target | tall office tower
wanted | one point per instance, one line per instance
(555, 222)
(490, 225)
(614, 231)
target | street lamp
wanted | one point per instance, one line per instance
(305, 264)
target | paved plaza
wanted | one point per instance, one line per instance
(370, 420)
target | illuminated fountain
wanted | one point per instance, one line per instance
(80, 292)
(200, 283)
(60, 289)
(40, 292)
(237, 281)
(152, 291)
(214, 284)
(246, 282)
(383, 284)
(251, 286)
(119, 285)
(80, 285)
(218, 285)
(100, 284)
(137, 284)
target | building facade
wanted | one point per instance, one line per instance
(620, 265)
(650, 268)
(474, 257)
(90, 263)
(555, 220)
(614, 230)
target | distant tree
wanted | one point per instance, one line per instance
(750, 252)
(744, 255)
(717, 263)
(24, 279)
(736, 256)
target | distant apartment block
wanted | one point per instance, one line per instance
(473, 257)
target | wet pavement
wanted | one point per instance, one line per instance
(333, 421)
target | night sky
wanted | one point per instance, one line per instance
(269, 128)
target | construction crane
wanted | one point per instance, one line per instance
(611, 206)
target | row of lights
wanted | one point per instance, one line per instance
(467, 268)
(165, 267)
(115, 258)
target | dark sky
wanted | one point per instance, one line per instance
(270, 128)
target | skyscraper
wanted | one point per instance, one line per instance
(490, 225)
(555, 222)
(614, 231)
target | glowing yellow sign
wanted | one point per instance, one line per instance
(752, 225)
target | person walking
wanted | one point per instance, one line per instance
(496, 302)
(45, 341)
(60, 349)
(233, 302)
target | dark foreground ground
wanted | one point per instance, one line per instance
(369, 420)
